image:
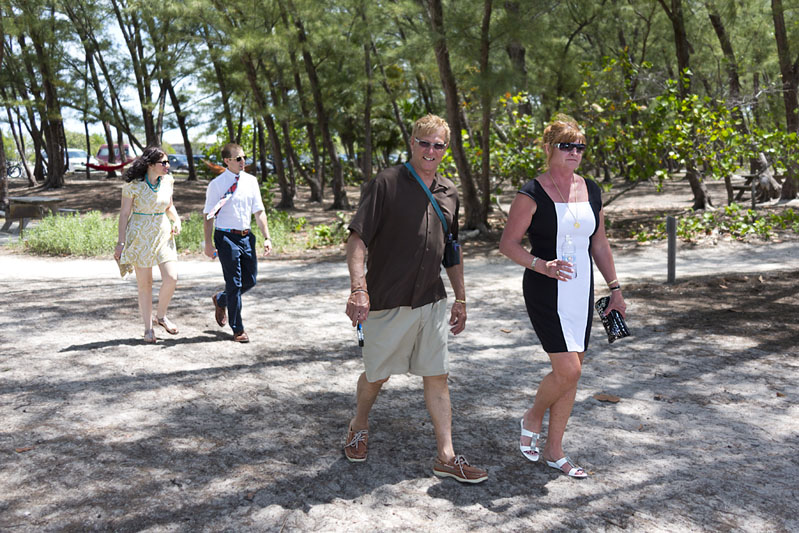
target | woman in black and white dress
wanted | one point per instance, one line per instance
(559, 211)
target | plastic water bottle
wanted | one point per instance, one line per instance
(568, 253)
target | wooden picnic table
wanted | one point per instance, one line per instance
(25, 208)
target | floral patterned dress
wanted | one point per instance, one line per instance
(148, 238)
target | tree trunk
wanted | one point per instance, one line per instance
(406, 136)
(790, 93)
(184, 130)
(339, 194)
(132, 36)
(485, 103)
(286, 197)
(290, 184)
(366, 166)
(470, 201)
(702, 198)
(221, 81)
(516, 54)
(681, 44)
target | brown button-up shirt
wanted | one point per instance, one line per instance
(404, 238)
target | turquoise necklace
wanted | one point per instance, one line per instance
(152, 187)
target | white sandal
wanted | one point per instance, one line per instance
(576, 471)
(531, 452)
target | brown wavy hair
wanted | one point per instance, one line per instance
(138, 169)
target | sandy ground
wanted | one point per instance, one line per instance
(103, 433)
(198, 433)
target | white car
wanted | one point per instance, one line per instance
(77, 160)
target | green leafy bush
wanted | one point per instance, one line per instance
(86, 235)
(732, 220)
(324, 235)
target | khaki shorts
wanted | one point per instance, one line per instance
(404, 340)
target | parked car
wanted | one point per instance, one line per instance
(77, 160)
(178, 162)
(131, 153)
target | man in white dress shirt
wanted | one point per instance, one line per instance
(232, 198)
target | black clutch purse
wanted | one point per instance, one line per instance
(614, 323)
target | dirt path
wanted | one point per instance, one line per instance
(197, 433)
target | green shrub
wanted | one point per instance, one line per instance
(191, 234)
(94, 235)
(86, 235)
(324, 235)
(732, 220)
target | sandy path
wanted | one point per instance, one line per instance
(196, 433)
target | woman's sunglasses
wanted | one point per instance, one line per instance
(427, 144)
(165, 162)
(568, 147)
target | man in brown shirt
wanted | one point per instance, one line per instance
(402, 292)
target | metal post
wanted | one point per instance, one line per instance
(671, 231)
(754, 191)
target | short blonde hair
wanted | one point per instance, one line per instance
(563, 129)
(430, 124)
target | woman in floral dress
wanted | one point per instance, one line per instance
(146, 236)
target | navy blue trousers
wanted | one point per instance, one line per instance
(240, 268)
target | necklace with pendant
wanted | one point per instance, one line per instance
(576, 222)
(157, 185)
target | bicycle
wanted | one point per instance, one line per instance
(13, 169)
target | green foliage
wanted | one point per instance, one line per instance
(86, 235)
(324, 235)
(191, 235)
(732, 220)
(77, 140)
(283, 229)
(92, 235)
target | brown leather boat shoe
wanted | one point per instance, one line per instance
(241, 336)
(220, 313)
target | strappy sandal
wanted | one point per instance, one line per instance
(167, 325)
(149, 336)
(575, 471)
(531, 452)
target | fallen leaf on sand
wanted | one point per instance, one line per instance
(604, 397)
(780, 395)
(503, 330)
(23, 449)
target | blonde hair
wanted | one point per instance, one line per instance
(563, 129)
(429, 124)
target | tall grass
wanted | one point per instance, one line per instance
(93, 235)
(86, 235)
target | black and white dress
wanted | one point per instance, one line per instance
(561, 311)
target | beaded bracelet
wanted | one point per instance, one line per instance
(460, 301)
(612, 282)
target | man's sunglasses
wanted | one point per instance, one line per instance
(164, 162)
(568, 147)
(239, 158)
(427, 144)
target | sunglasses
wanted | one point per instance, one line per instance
(426, 144)
(568, 147)
(165, 162)
(239, 158)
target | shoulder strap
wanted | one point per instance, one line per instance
(426, 189)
